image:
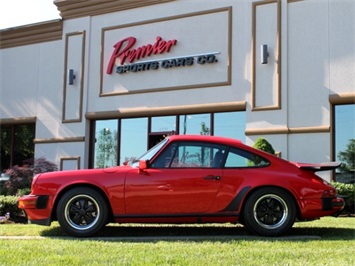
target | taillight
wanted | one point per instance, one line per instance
(329, 194)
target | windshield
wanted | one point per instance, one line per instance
(150, 153)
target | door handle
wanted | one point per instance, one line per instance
(212, 177)
(167, 187)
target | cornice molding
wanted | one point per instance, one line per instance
(79, 8)
(342, 98)
(53, 30)
(287, 130)
(17, 120)
(59, 140)
(168, 110)
(31, 34)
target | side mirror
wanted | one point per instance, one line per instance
(143, 166)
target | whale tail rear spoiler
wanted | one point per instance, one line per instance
(318, 167)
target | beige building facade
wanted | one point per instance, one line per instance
(111, 78)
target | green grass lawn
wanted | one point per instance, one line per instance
(329, 241)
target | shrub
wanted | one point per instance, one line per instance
(264, 145)
(3, 189)
(23, 191)
(348, 192)
(9, 204)
(21, 176)
(41, 165)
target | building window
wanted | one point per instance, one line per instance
(16, 145)
(105, 143)
(344, 136)
(119, 140)
(230, 124)
(133, 138)
(195, 124)
(163, 124)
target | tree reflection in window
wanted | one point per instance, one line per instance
(344, 132)
(191, 155)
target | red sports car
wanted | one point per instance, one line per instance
(186, 179)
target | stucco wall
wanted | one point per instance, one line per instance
(311, 56)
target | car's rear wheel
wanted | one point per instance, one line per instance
(269, 211)
(82, 212)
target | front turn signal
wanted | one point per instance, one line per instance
(27, 202)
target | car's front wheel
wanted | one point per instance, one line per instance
(269, 211)
(82, 212)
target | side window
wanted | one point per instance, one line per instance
(191, 155)
(165, 158)
(241, 158)
(198, 155)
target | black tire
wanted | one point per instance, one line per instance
(82, 212)
(269, 212)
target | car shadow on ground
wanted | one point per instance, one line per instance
(220, 233)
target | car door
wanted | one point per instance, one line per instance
(184, 179)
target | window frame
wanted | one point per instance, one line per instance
(93, 122)
(337, 100)
(13, 141)
(199, 144)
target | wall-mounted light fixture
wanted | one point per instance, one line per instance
(71, 76)
(264, 53)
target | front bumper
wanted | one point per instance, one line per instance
(36, 209)
(33, 202)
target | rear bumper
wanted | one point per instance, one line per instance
(316, 208)
(336, 204)
(36, 209)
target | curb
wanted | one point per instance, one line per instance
(167, 238)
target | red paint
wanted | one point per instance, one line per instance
(180, 194)
(124, 52)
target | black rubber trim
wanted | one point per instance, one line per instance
(197, 215)
(235, 203)
(42, 202)
(41, 222)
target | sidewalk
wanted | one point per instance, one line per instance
(167, 238)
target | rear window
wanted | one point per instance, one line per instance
(242, 158)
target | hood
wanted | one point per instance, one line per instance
(97, 171)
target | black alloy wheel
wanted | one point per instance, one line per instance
(269, 212)
(82, 212)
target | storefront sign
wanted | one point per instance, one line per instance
(167, 53)
(123, 52)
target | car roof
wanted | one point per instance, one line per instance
(215, 139)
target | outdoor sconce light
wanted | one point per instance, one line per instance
(71, 76)
(264, 54)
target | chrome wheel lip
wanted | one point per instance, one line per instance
(87, 199)
(280, 206)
